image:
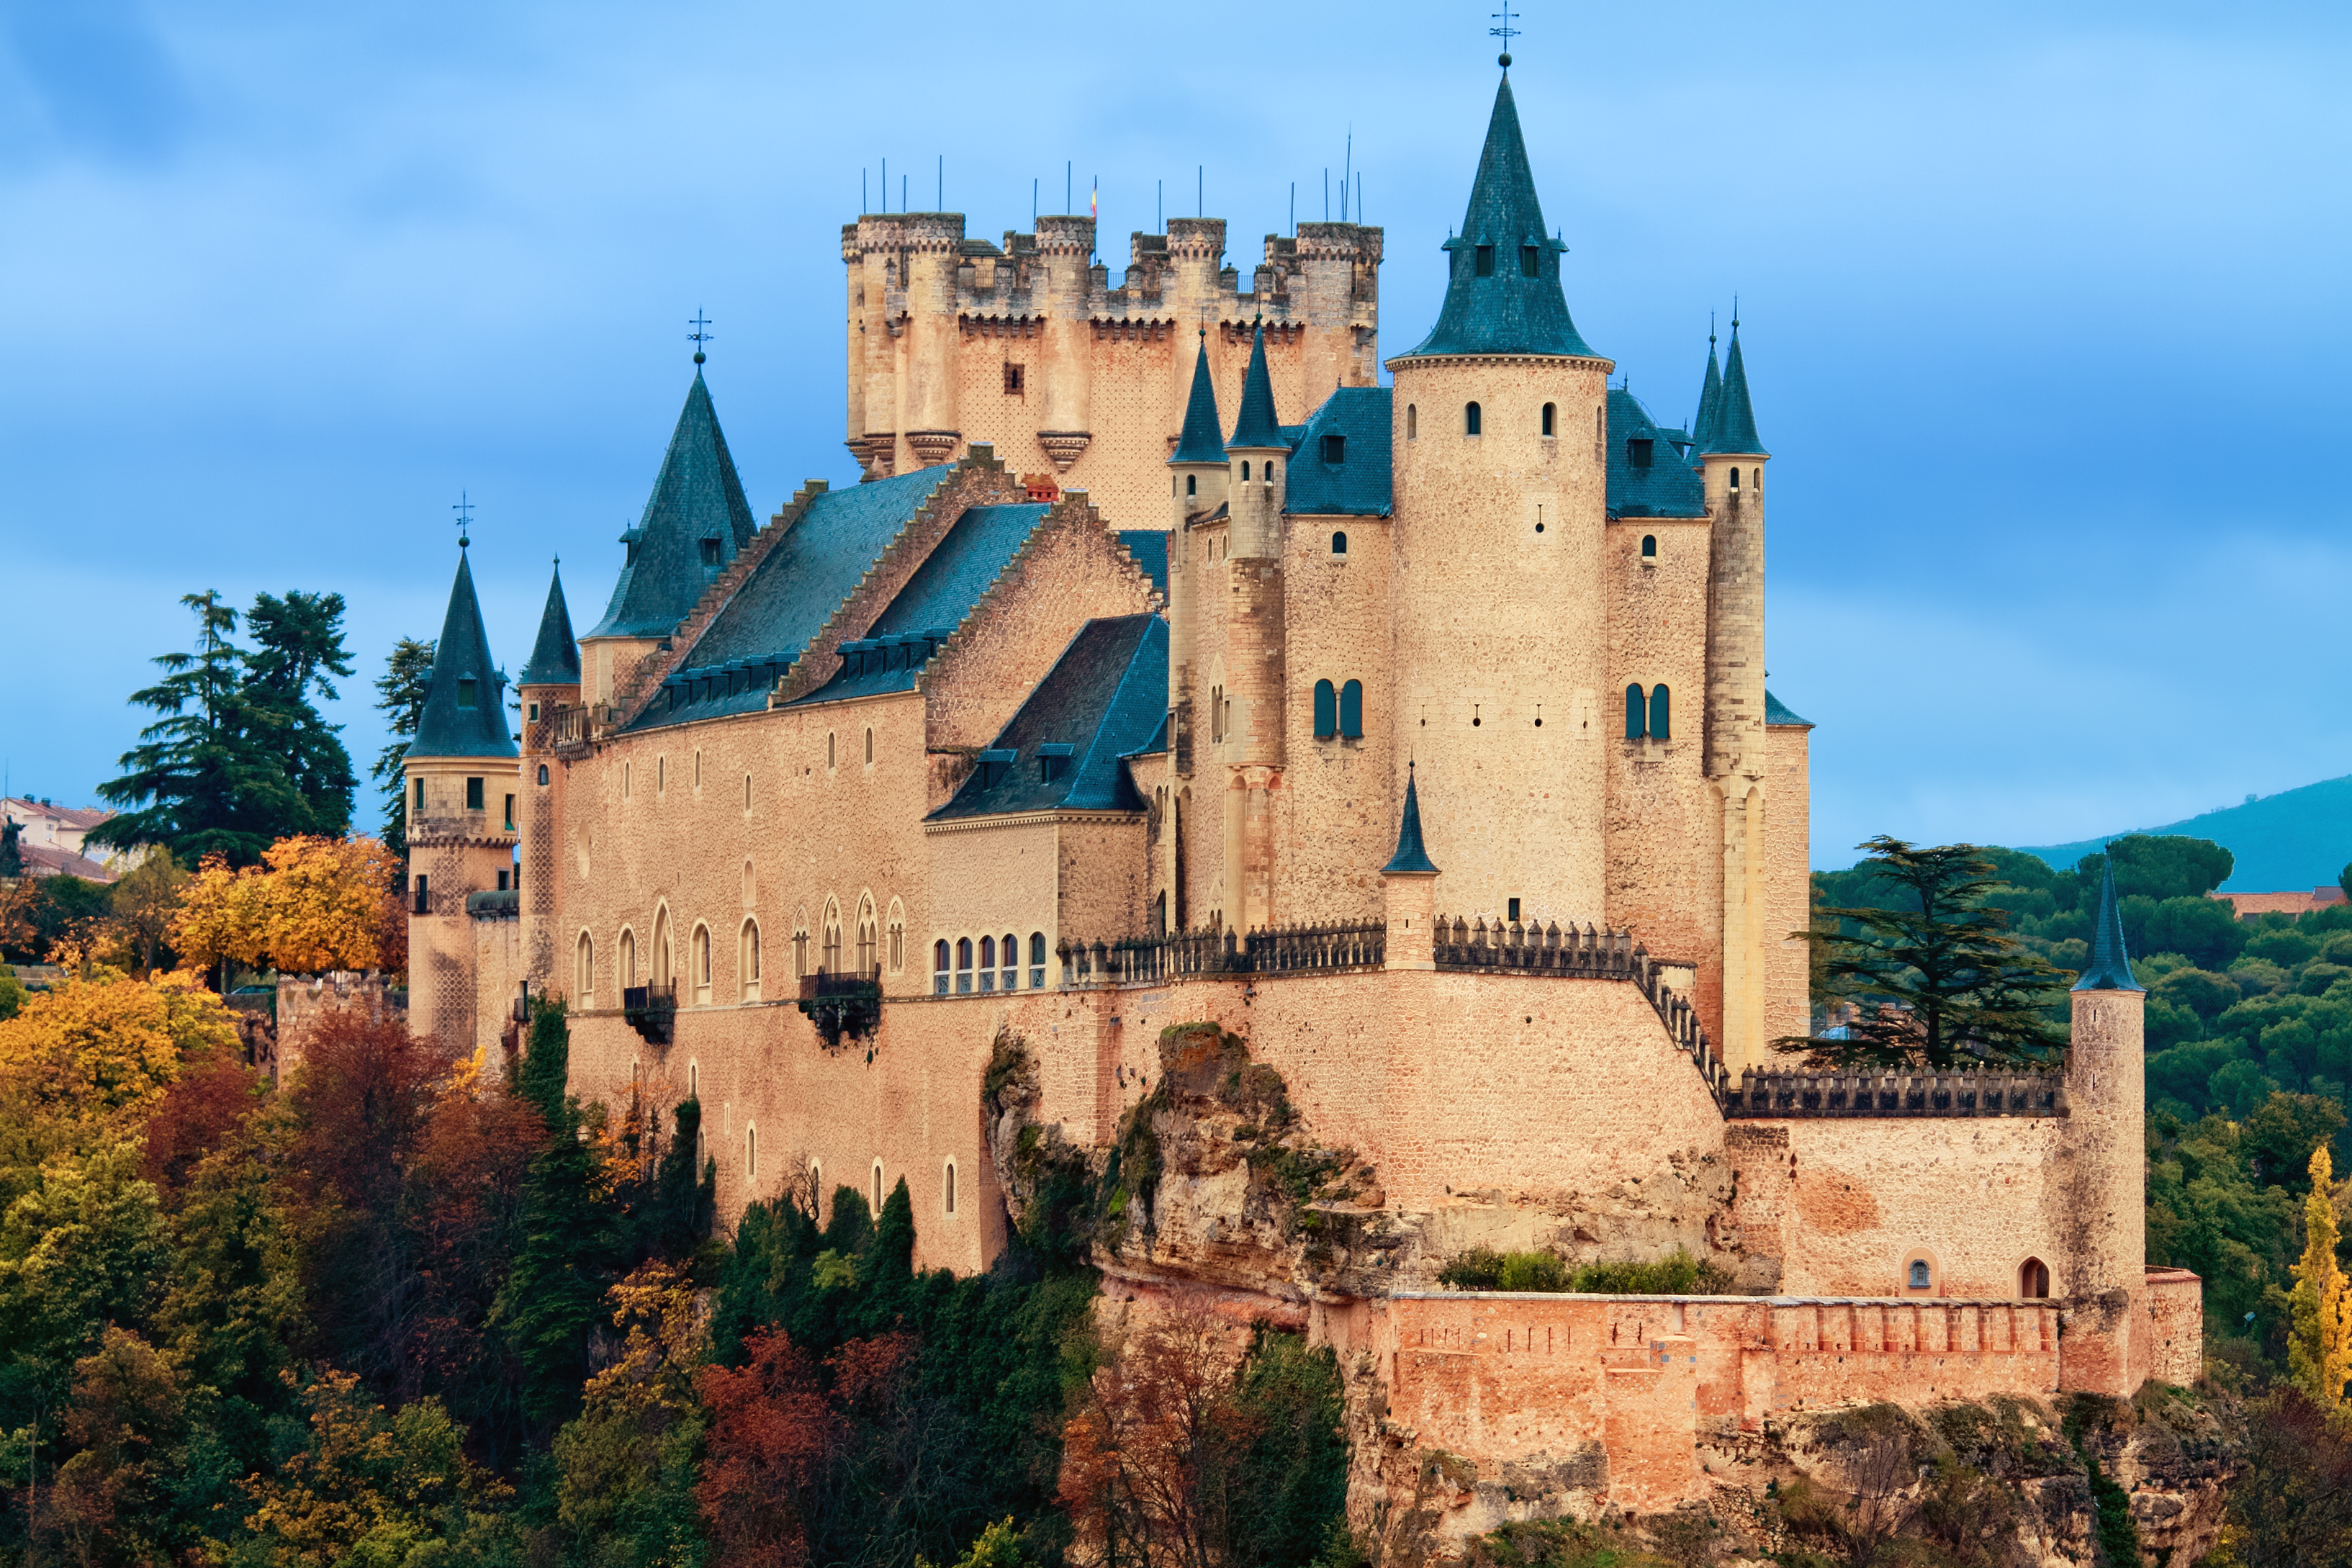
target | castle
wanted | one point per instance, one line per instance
(1418, 740)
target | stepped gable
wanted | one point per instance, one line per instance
(1358, 483)
(1644, 478)
(555, 655)
(1149, 548)
(1105, 700)
(1516, 306)
(464, 712)
(694, 523)
(944, 589)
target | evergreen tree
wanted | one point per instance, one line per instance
(401, 690)
(208, 776)
(1937, 983)
(11, 856)
(298, 644)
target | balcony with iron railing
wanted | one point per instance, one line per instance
(842, 1004)
(652, 1010)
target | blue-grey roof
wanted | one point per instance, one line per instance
(1256, 425)
(1665, 485)
(1103, 700)
(2110, 967)
(1735, 422)
(1710, 399)
(1506, 311)
(1157, 744)
(1359, 484)
(1410, 859)
(1776, 714)
(1149, 548)
(1201, 442)
(555, 655)
(697, 496)
(464, 707)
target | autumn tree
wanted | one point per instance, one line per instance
(771, 1430)
(142, 905)
(106, 1044)
(221, 919)
(626, 1464)
(2319, 1339)
(127, 1425)
(314, 904)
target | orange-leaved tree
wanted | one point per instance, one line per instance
(220, 919)
(106, 1043)
(771, 1433)
(314, 904)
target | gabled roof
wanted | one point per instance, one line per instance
(2109, 966)
(464, 709)
(697, 498)
(1149, 548)
(1103, 700)
(1506, 311)
(555, 656)
(1201, 442)
(1256, 426)
(1775, 713)
(1735, 425)
(1666, 486)
(1357, 485)
(1410, 859)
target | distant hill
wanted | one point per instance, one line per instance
(2297, 838)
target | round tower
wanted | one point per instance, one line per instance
(1257, 470)
(1066, 246)
(552, 721)
(1500, 506)
(934, 247)
(2103, 1271)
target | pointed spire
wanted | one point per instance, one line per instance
(2109, 968)
(1409, 860)
(1200, 443)
(1711, 397)
(1734, 417)
(464, 709)
(555, 656)
(1257, 427)
(694, 522)
(1495, 301)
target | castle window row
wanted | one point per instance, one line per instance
(1473, 422)
(987, 964)
(653, 966)
(1338, 712)
(1650, 716)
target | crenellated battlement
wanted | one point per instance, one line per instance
(1798, 1092)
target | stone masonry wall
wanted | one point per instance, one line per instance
(1335, 813)
(1788, 881)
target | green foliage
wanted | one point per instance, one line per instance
(1677, 1273)
(1935, 979)
(298, 644)
(12, 993)
(1290, 1486)
(1555, 1544)
(2152, 866)
(401, 690)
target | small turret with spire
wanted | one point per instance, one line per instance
(1409, 888)
(2104, 1196)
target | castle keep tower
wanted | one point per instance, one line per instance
(1500, 488)
(1197, 476)
(1255, 645)
(2104, 1190)
(460, 779)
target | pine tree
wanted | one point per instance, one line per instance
(207, 778)
(2319, 1342)
(401, 691)
(298, 644)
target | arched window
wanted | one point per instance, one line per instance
(1351, 711)
(1338, 547)
(699, 958)
(1037, 960)
(747, 792)
(1756, 480)
(1918, 1275)
(1636, 713)
(664, 961)
(747, 960)
(801, 943)
(697, 767)
(583, 972)
(1008, 953)
(1735, 478)
(628, 958)
(830, 962)
(750, 1154)
(1191, 484)
(869, 937)
(1244, 470)
(1550, 419)
(1661, 725)
(869, 745)
(947, 1188)
(543, 773)
(940, 967)
(898, 937)
(2033, 1279)
(988, 963)
(1411, 423)
(1599, 431)
(1648, 547)
(828, 751)
(877, 1189)
(1470, 419)
(963, 966)
(1327, 709)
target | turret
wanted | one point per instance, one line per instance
(2105, 1347)
(1066, 421)
(460, 778)
(1500, 636)
(1255, 641)
(549, 688)
(1196, 487)
(930, 372)
(1408, 889)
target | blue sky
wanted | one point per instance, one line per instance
(2045, 310)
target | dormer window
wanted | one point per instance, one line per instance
(1485, 260)
(1053, 760)
(466, 695)
(1528, 265)
(710, 554)
(1335, 448)
(1638, 451)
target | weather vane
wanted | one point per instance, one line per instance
(1505, 32)
(701, 334)
(465, 511)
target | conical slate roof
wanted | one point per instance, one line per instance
(555, 656)
(2109, 968)
(1200, 443)
(698, 499)
(1710, 400)
(1735, 419)
(1409, 860)
(464, 708)
(1516, 307)
(1257, 426)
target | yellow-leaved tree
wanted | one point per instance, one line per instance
(314, 904)
(221, 919)
(2319, 1343)
(106, 1043)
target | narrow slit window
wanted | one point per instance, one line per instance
(1636, 713)
(1327, 709)
(869, 747)
(1012, 380)
(1191, 484)
(1412, 422)
(1471, 420)
(1735, 478)
(1351, 711)
(1551, 419)
(1244, 470)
